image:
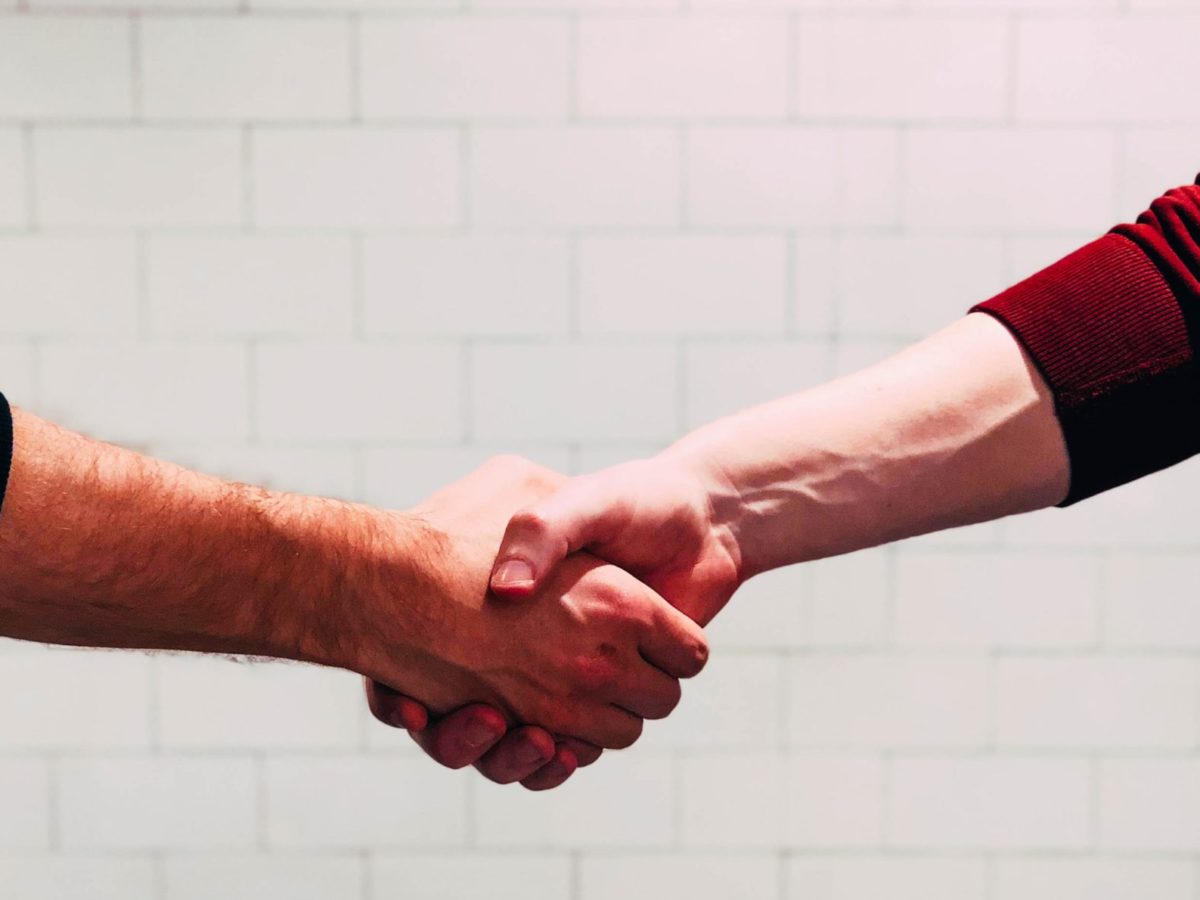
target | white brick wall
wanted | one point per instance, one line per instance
(354, 247)
(55, 67)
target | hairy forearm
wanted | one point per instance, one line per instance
(955, 430)
(101, 546)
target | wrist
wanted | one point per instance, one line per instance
(323, 564)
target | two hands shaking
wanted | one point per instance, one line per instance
(517, 620)
(593, 602)
(593, 607)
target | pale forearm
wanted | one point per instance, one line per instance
(955, 430)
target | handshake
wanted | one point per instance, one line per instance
(517, 619)
(568, 607)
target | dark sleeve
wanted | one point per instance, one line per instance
(1113, 328)
(6, 446)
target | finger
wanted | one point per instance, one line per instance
(554, 773)
(585, 754)
(539, 537)
(609, 726)
(518, 756)
(463, 736)
(395, 709)
(648, 692)
(674, 643)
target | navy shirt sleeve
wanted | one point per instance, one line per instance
(6, 446)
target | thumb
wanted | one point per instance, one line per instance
(539, 537)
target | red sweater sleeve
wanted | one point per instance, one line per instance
(1113, 328)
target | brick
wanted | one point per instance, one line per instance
(326, 472)
(792, 177)
(926, 68)
(25, 787)
(982, 802)
(696, 876)
(1005, 5)
(355, 178)
(995, 599)
(682, 285)
(898, 878)
(46, 712)
(1152, 161)
(357, 5)
(833, 801)
(1149, 804)
(574, 391)
(459, 67)
(583, 5)
(1149, 601)
(141, 802)
(734, 705)
(269, 68)
(914, 284)
(855, 353)
(766, 613)
(733, 800)
(816, 277)
(345, 801)
(245, 877)
(880, 701)
(672, 66)
(1111, 703)
(205, 703)
(574, 176)
(1034, 179)
(625, 800)
(401, 477)
(62, 878)
(1071, 878)
(18, 378)
(70, 286)
(137, 392)
(329, 392)
(468, 285)
(151, 6)
(218, 286)
(754, 800)
(507, 876)
(60, 67)
(1072, 70)
(137, 177)
(1029, 255)
(850, 600)
(839, 602)
(765, 370)
(13, 207)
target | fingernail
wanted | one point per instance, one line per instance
(529, 753)
(514, 572)
(479, 733)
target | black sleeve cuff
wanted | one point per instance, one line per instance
(6, 446)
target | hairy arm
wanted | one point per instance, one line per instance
(103, 547)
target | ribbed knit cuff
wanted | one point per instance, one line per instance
(6, 446)
(1105, 329)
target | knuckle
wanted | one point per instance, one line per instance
(596, 673)
(530, 522)
(671, 697)
(699, 656)
(628, 733)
